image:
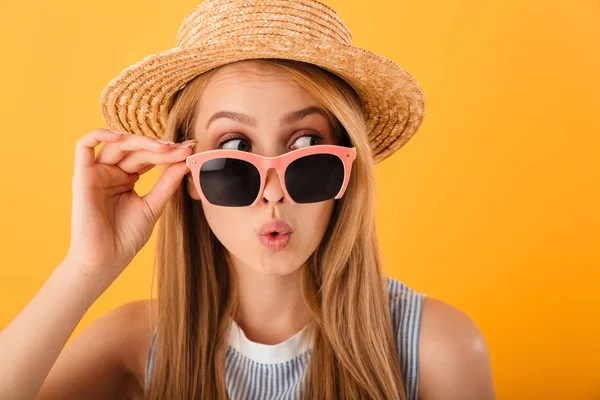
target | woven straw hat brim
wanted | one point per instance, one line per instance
(393, 102)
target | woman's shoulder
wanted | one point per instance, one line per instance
(440, 347)
(448, 350)
(141, 325)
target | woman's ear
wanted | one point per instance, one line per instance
(191, 188)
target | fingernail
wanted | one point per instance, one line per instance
(184, 144)
(164, 141)
(187, 143)
(119, 132)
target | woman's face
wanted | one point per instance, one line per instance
(264, 97)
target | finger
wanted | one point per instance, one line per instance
(126, 187)
(164, 188)
(146, 169)
(104, 177)
(84, 147)
(112, 153)
(123, 178)
(139, 160)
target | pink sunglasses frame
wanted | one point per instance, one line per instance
(346, 154)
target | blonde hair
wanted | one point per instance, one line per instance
(354, 352)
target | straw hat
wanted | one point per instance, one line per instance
(219, 32)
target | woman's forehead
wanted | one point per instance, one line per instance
(234, 79)
(248, 71)
(266, 94)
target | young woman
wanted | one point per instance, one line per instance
(270, 283)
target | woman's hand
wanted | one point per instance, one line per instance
(110, 222)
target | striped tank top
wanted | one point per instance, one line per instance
(277, 371)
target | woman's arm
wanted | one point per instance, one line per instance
(33, 340)
(106, 361)
(453, 356)
(110, 223)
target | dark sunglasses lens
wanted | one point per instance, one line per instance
(314, 178)
(229, 182)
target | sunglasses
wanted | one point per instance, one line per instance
(234, 178)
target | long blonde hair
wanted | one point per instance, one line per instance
(354, 352)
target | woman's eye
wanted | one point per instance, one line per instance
(234, 144)
(309, 140)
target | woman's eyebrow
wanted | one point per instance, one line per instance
(294, 116)
(286, 119)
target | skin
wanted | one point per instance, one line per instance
(272, 308)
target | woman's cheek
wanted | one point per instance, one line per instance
(227, 224)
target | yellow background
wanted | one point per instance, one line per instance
(492, 206)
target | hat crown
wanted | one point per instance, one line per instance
(223, 20)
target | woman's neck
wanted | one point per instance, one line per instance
(271, 308)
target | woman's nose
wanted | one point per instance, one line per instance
(273, 192)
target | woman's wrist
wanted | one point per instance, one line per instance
(93, 283)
